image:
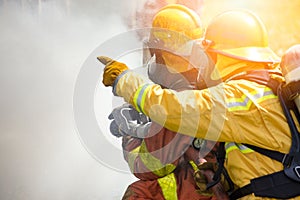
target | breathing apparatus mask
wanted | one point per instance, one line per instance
(179, 53)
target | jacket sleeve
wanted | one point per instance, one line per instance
(177, 111)
(239, 111)
(158, 154)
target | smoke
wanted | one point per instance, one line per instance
(43, 45)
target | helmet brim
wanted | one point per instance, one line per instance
(252, 54)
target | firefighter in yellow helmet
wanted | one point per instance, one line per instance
(243, 110)
(290, 65)
(174, 30)
(164, 161)
(238, 36)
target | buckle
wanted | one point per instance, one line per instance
(287, 159)
(198, 143)
(297, 171)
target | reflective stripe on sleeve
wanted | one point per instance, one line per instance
(168, 186)
(154, 164)
(230, 146)
(244, 102)
(139, 97)
(193, 164)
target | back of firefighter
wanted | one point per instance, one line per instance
(238, 111)
(165, 161)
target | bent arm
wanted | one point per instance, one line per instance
(158, 154)
(239, 111)
(190, 112)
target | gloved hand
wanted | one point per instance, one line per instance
(201, 182)
(204, 175)
(202, 178)
(128, 121)
(112, 70)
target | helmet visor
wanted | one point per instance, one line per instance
(171, 41)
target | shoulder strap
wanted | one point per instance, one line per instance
(262, 77)
(220, 159)
(221, 153)
(285, 159)
(276, 185)
(288, 106)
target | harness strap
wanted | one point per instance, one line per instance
(288, 105)
(261, 77)
(221, 153)
(277, 185)
(285, 159)
(220, 159)
(244, 191)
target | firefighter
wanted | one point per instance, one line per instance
(166, 162)
(290, 66)
(241, 110)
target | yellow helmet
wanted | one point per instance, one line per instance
(238, 35)
(174, 27)
(178, 18)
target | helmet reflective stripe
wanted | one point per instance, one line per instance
(168, 186)
(244, 102)
(230, 146)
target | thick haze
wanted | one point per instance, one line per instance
(43, 45)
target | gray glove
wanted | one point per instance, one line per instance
(128, 121)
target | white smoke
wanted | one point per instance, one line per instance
(43, 44)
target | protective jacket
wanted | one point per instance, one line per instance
(164, 161)
(163, 174)
(236, 112)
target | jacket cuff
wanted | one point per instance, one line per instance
(116, 82)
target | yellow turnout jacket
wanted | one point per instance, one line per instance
(235, 112)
